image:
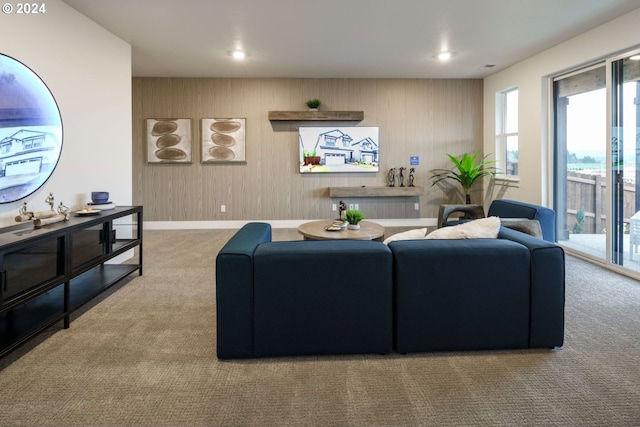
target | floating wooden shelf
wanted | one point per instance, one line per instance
(317, 115)
(375, 191)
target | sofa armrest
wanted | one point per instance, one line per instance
(234, 290)
(504, 208)
(547, 288)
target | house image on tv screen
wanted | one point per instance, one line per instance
(344, 149)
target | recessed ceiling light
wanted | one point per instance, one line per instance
(444, 56)
(239, 54)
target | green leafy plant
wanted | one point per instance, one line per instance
(467, 169)
(353, 216)
(313, 103)
(578, 227)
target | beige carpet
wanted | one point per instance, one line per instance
(144, 355)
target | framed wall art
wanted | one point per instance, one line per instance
(169, 140)
(223, 140)
(30, 131)
(339, 149)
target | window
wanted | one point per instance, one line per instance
(597, 160)
(507, 131)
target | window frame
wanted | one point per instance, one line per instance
(502, 135)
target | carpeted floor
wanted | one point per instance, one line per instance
(144, 355)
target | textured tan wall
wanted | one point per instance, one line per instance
(425, 118)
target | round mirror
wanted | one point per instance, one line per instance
(30, 131)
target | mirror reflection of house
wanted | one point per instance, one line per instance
(25, 155)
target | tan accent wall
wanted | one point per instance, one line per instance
(425, 118)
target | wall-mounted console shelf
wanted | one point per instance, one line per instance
(364, 191)
(47, 273)
(317, 115)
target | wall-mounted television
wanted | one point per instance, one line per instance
(339, 149)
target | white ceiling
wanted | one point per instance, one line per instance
(342, 38)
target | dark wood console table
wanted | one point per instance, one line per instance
(47, 273)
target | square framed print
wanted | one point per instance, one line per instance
(169, 141)
(223, 140)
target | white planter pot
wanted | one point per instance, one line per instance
(353, 226)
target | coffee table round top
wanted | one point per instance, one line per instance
(315, 230)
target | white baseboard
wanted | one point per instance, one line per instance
(203, 225)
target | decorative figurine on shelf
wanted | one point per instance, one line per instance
(391, 177)
(64, 210)
(342, 207)
(412, 172)
(61, 215)
(24, 214)
(50, 200)
(43, 217)
(401, 176)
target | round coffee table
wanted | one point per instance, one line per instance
(315, 230)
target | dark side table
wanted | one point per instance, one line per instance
(469, 211)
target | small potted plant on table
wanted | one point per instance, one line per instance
(353, 217)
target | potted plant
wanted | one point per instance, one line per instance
(313, 104)
(467, 169)
(353, 217)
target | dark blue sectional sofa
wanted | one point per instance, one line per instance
(350, 297)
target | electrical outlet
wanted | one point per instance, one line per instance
(416, 206)
(357, 206)
(351, 206)
(334, 207)
(223, 208)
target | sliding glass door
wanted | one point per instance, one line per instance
(580, 160)
(625, 100)
(596, 138)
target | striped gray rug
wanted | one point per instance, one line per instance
(144, 355)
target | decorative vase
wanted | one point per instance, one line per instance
(353, 226)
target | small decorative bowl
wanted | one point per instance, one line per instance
(99, 196)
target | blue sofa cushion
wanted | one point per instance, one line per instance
(322, 297)
(461, 294)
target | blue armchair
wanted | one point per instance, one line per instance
(504, 208)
